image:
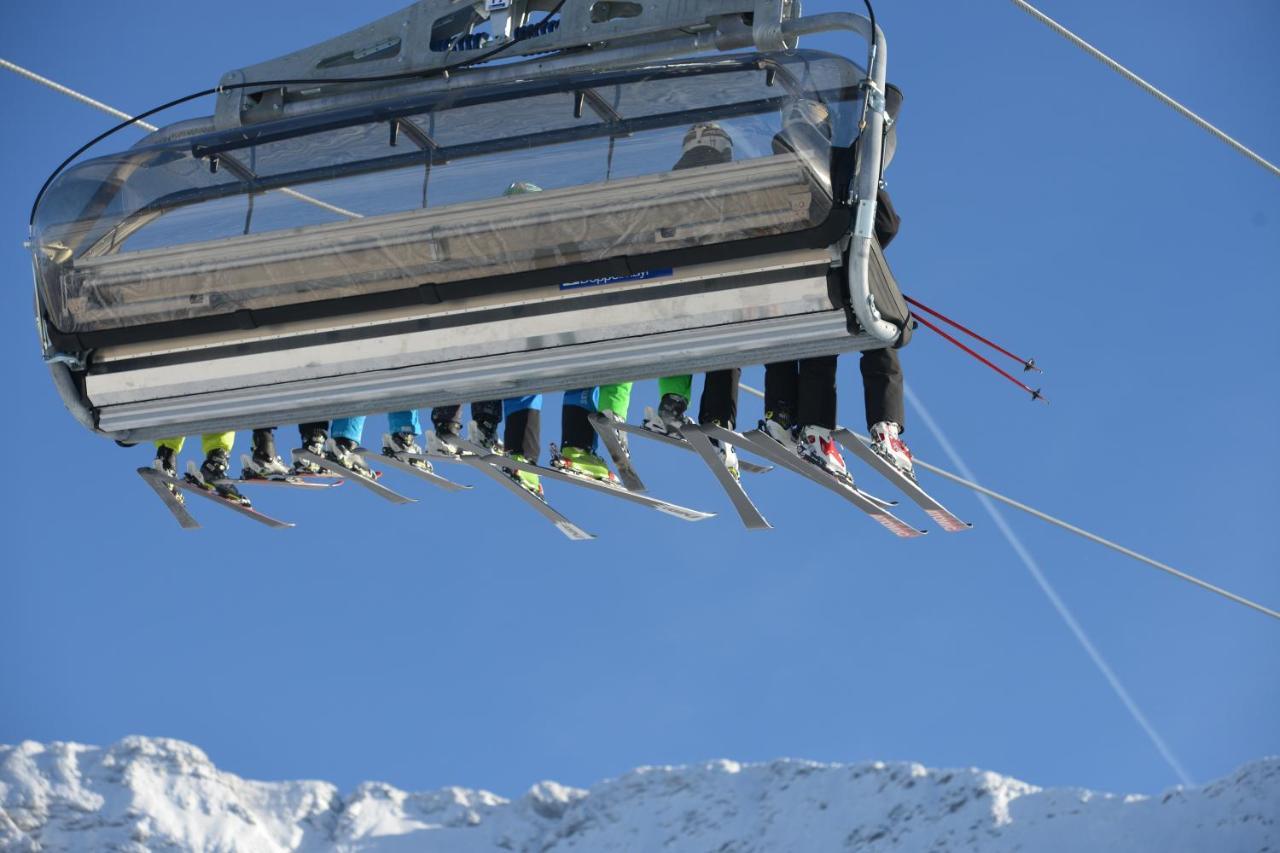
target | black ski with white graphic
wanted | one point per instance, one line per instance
(679, 443)
(760, 442)
(942, 516)
(474, 457)
(607, 429)
(402, 462)
(695, 436)
(193, 489)
(352, 477)
(681, 512)
(156, 481)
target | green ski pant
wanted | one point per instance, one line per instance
(209, 442)
(615, 398)
(681, 386)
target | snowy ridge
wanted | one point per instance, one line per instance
(154, 794)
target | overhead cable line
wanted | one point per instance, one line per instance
(1071, 528)
(1146, 87)
(146, 125)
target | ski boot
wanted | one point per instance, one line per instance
(670, 416)
(393, 444)
(778, 427)
(341, 451)
(583, 463)
(728, 455)
(887, 445)
(528, 481)
(212, 477)
(263, 463)
(817, 446)
(485, 434)
(166, 462)
(314, 443)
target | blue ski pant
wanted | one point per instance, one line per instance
(352, 429)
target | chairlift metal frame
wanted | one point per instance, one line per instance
(826, 292)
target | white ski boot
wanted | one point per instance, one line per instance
(817, 446)
(780, 433)
(254, 468)
(341, 451)
(886, 443)
(394, 444)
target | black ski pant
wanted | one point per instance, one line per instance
(801, 393)
(487, 413)
(720, 398)
(523, 433)
(882, 387)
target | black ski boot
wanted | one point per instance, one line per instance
(264, 463)
(212, 477)
(486, 435)
(670, 416)
(314, 442)
(166, 461)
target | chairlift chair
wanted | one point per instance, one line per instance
(345, 245)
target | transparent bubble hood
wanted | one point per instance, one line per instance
(418, 190)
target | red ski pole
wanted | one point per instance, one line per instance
(1027, 363)
(1034, 392)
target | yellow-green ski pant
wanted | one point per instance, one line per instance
(209, 442)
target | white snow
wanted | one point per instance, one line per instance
(147, 794)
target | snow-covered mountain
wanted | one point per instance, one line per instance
(152, 794)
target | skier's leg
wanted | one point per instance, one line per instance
(314, 436)
(816, 414)
(167, 450)
(882, 387)
(211, 441)
(681, 386)
(674, 393)
(214, 472)
(615, 398)
(264, 462)
(781, 393)
(720, 398)
(524, 435)
(816, 402)
(886, 414)
(720, 406)
(579, 443)
(524, 425)
(347, 434)
(402, 437)
(405, 422)
(575, 427)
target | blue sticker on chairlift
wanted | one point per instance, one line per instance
(617, 279)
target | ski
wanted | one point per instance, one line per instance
(193, 489)
(607, 429)
(942, 516)
(352, 477)
(401, 462)
(679, 443)
(696, 439)
(156, 481)
(473, 456)
(761, 443)
(586, 482)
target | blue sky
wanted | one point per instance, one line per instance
(462, 641)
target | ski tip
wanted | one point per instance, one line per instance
(574, 532)
(684, 513)
(948, 522)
